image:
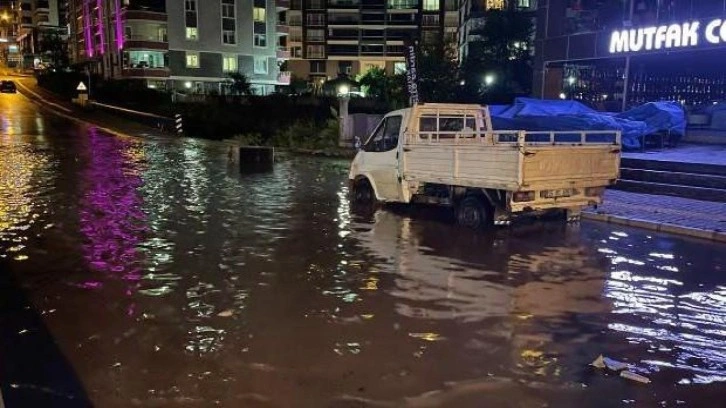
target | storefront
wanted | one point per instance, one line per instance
(615, 54)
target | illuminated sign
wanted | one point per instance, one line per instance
(668, 37)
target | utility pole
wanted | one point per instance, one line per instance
(626, 77)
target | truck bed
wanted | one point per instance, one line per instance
(514, 160)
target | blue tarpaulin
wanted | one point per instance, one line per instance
(635, 124)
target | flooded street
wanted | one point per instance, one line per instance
(165, 278)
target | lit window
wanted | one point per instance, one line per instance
(431, 5)
(192, 60)
(229, 63)
(260, 65)
(258, 14)
(192, 33)
(495, 4)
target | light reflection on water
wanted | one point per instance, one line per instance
(215, 287)
(659, 307)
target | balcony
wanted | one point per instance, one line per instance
(145, 72)
(143, 42)
(283, 54)
(145, 15)
(283, 29)
(282, 5)
(284, 78)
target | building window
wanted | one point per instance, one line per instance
(296, 52)
(315, 19)
(191, 20)
(495, 4)
(229, 23)
(144, 59)
(192, 60)
(192, 33)
(228, 9)
(259, 14)
(316, 51)
(128, 33)
(317, 67)
(229, 63)
(259, 23)
(316, 35)
(260, 40)
(433, 5)
(402, 4)
(345, 68)
(260, 65)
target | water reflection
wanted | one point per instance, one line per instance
(110, 213)
(23, 193)
(268, 288)
(681, 326)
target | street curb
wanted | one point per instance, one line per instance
(51, 105)
(711, 235)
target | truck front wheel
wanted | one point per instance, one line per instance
(472, 213)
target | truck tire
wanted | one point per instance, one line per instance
(363, 192)
(473, 213)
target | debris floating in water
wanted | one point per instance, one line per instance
(635, 377)
(605, 362)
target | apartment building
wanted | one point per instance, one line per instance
(189, 46)
(348, 37)
(35, 19)
(472, 16)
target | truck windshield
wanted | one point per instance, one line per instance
(385, 138)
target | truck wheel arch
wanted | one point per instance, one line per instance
(362, 180)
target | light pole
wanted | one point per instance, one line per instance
(343, 99)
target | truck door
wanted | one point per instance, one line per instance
(381, 158)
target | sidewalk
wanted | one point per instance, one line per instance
(675, 215)
(105, 121)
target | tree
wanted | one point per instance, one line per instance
(438, 72)
(374, 82)
(54, 47)
(240, 84)
(498, 67)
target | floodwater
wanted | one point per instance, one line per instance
(167, 279)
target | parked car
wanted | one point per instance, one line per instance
(8, 87)
(448, 154)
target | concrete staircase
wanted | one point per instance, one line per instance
(690, 180)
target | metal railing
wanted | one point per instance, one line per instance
(515, 137)
(557, 137)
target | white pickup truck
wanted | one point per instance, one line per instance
(448, 154)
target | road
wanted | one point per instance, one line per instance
(142, 272)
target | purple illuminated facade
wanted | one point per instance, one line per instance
(108, 34)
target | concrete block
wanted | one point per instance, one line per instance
(256, 159)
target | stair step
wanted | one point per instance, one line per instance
(680, 167)
(696, 193)
(671, 177)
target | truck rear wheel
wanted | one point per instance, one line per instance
(471, 212)
(363, 192)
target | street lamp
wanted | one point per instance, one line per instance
(343, 98)
(488, 79)
(563, 96)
